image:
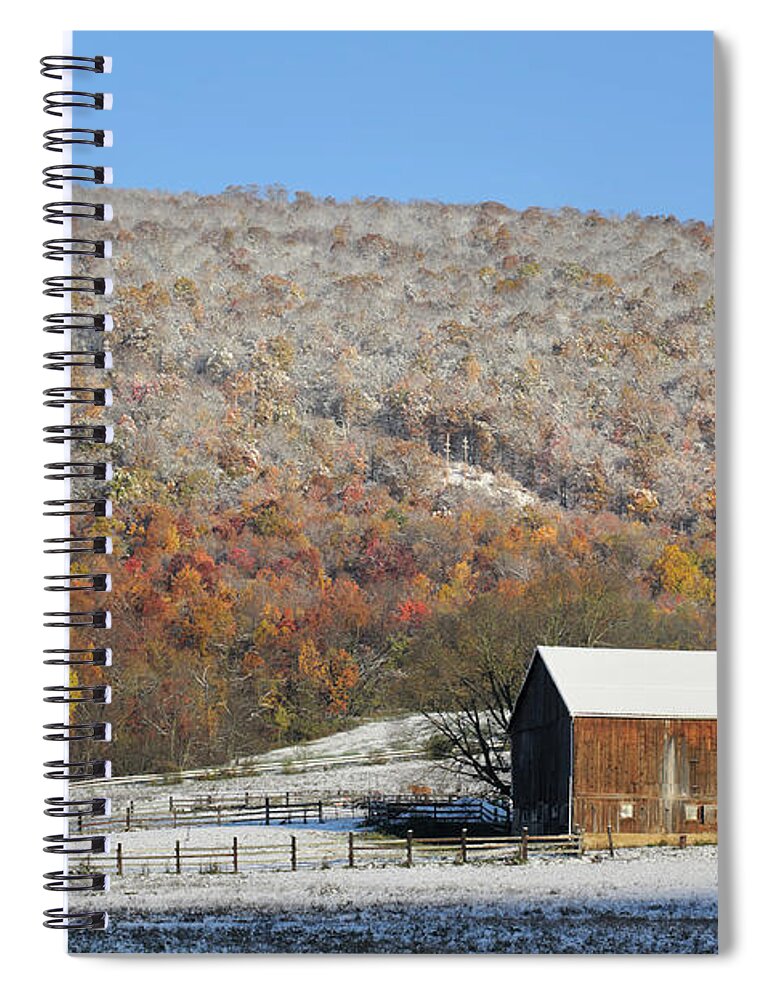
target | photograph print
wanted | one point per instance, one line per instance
(413, 512)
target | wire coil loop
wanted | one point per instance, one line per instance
(54, 66)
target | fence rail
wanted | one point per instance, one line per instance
(250, 799)
(414, 810)
(291, 765)
(265, 814)
(290, 808)
(368, 852)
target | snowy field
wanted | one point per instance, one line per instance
(647, 900)
(644, 900)
(318, 767)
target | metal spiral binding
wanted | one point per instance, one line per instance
(72, 733)
(59, 361)
(58, 211)
(84, 433)
(84, 322)
(57, 101)
(93, 506)
(96, 544)
(75, 173)
(63, 249)
(53, 66)
(95, 694)
(79, 619)
(78, 657)
(68, 395)
(100, 472)
(77, 807)
(57, 138)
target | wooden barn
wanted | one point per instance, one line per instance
(620, 737)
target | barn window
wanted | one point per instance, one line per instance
(693, 776)
(691, 813)
(626, 810)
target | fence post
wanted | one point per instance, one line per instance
(120, 859)
(609, 839)
(128, 818)
(80, 822)
(524, 839)
(286, 796)
(320, 811)
(219, 815)
(267, 810)
(682, 840)
(246, 801)
(350, 849)
(293, 853)
(235, 855)
(178, 856)
(464, 844)
(409, 835)
(171, 803)
(175, 819)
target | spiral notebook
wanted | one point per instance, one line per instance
(384, 365)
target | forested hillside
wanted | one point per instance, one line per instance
(369, 451)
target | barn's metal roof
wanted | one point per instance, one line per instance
(646, 683)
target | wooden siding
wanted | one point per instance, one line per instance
(540, 735)
(645, 775)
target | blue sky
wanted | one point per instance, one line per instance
(614, 121)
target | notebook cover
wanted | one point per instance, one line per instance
(414, 451)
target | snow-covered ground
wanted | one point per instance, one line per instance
(644, 900)
(498, 486)
(308, 768)
(405, 733)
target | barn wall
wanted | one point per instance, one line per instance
(540, 735)
(645, 775)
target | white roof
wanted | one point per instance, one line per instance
(647, 683)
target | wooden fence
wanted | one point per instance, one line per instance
(250, 799)
(264, 812)
(298, 807)
(402, 810)
(365, 852)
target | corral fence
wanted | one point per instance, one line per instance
(363, 852)
(390, 812)
(415, 811)
(245, 809)
(249, 799)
